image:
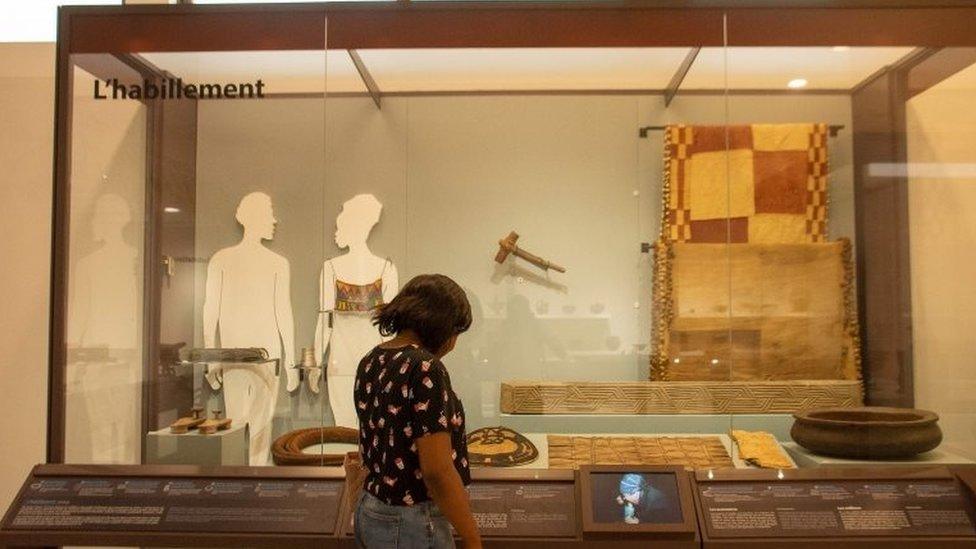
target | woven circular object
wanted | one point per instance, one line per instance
(500, 447)
(288, 448)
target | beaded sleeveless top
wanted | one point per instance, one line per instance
(358, 298)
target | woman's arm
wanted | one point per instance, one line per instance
(445, 487)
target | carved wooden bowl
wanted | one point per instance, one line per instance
(870, 432)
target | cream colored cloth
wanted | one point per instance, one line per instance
(250, 396)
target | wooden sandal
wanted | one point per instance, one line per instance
(218, 423)
(184, 424)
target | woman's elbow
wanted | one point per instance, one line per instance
(435, 476)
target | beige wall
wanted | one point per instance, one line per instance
(942, 217)
(26, 141)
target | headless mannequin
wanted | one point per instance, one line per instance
(348, 335)
(248, 301)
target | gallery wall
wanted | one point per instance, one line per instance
(26, 144)
(942, 201)
(457, 173)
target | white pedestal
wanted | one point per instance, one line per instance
(228, 447)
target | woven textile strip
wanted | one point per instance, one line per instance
(761, 183)
(748, 205)
(816, 226)
(569, 452)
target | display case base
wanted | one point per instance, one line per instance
(806, 458)
(228, 447)
(677, 397)
(662, 424)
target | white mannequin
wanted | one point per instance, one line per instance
(248, 299)
(352, 334)
(105, 312)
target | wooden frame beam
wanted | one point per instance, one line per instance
(679, 75)
(479, 24)
(374, 90)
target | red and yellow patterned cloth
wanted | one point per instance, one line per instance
(761, 183)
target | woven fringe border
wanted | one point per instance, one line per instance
(663, 312)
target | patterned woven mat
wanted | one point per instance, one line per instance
(760, 183)
(569, 452)
(761, 449)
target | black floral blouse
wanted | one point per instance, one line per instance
(403, 394)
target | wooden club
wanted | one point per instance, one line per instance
(507, 246)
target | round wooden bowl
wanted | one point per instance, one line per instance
(869, 432)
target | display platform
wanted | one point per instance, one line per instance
(939, 456)
(175, 506)
(228, 447)
(662, 424)
(928, 507)
(677, 397)
(541, 442)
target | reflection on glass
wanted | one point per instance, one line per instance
(941, 170)
(104, 321)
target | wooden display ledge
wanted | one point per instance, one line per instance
(676, 397)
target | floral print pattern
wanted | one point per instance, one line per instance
(402, 394)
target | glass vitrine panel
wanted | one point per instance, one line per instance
(196, 213)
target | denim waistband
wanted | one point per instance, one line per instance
(371, 502)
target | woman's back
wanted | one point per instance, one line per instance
(402, 394)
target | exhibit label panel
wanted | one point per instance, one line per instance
(835, 508)
(175, 504)
(512, 509)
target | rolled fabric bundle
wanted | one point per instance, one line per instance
(288, 448)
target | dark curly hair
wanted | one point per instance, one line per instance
(432, 305)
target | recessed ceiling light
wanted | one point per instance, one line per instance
(171, 210)
(797, 83)
(841, 48)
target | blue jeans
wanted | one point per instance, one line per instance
(382, 526)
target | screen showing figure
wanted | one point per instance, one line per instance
(635, 498)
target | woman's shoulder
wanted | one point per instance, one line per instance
(418, 354)
(420, 359)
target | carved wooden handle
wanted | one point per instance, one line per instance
(507, 246)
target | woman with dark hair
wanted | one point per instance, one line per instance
(411, 424)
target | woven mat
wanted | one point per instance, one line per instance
(760, 183)
(761, 449)
(569, 452)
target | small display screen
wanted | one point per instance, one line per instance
(635, 498)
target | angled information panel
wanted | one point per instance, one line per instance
(263, 506)
(924, 508)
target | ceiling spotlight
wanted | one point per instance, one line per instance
(841, 48)
(171, 210)
(797, 83)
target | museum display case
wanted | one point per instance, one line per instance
(676, 227)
